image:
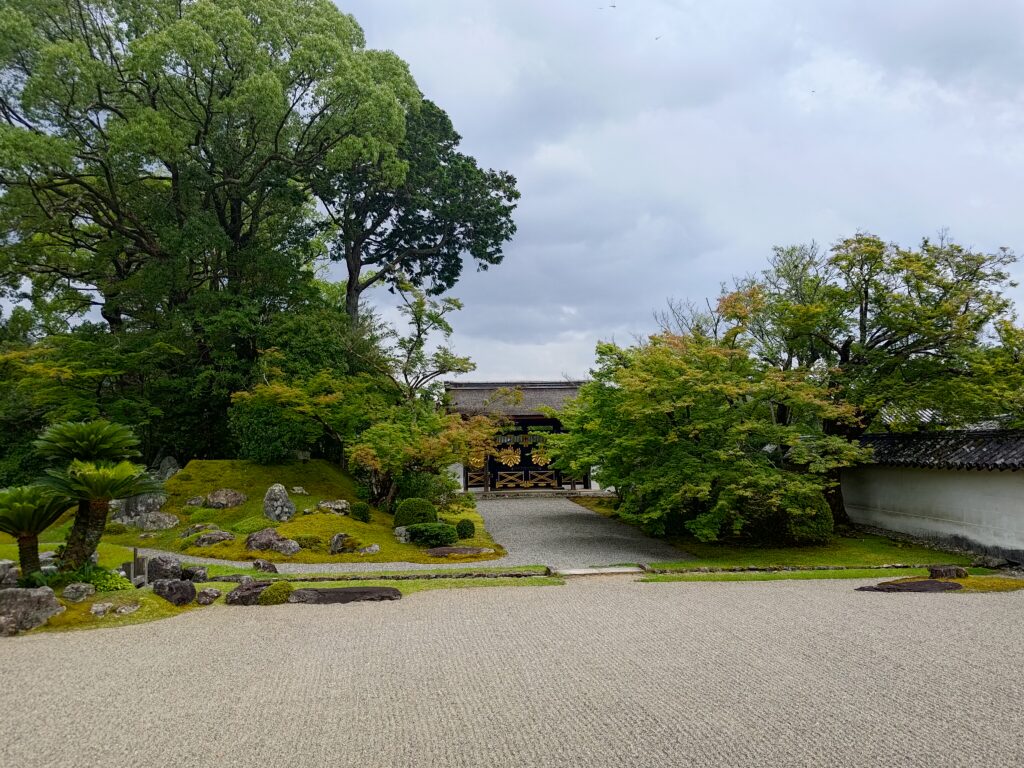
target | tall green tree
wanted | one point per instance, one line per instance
(413, 218)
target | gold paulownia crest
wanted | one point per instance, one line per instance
(508, 456)
(540, 456)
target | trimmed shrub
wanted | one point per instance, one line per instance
(360, 511)
(276, 593)
(252, 524)
(465, 528)
(432, 534)
(309, 542)
(414, 511)
(115, 529)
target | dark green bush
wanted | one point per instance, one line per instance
(413, 511)
(309, 542)
(433, 534)
(360, 511)
(465, 528)
(276, 593)
(115, 529)
(440, 489)
(268, 433)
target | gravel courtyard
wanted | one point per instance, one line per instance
(601, 672)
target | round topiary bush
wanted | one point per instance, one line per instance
(276, 593)
(415, 511)
(360, 511)
(432, 534)
(465, 528)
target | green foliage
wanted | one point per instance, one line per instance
(94, 441)
(465, 528)
(360, 511)
(433, 534)
(247, 525)
(267, 433)
(440, 489)
(25, 512)
(314, 543)
(413, 511)
(101, 482)
(276, 594)
(116, 529)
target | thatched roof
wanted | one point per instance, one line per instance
(509, 398)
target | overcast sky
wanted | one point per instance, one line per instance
(663, 147)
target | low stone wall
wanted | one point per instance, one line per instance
(972, 509)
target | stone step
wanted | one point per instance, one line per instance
(611, 570)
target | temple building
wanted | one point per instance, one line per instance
(520, 460)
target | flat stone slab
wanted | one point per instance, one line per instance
(924, 585)
(456, 551)
(611, 570)
(334, 595)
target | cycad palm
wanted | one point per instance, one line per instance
(94, 485)
(98, 440)
(25, 512)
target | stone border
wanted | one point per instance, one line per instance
(370, 576)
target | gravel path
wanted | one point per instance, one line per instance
(548, 531)
(602, 672)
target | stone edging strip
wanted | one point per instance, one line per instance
(371, 576)
(782, 568)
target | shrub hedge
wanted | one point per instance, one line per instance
(465, 528)
(433, 534)
(360, 511)
(415, 511)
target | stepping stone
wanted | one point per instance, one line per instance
(924, 585)
(333, 595)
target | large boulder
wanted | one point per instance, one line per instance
(163, 567)
(947, 572)
(246, 593)
(29, 608)
(334, 506)
(270, 539)
(342, 542)
(276, 504)
(264, 565)
(194, 573)
(175, 591)
(210, 538)
(77, 591)
(332, 595)
(167, 469)
(225, 498)
(143, 512)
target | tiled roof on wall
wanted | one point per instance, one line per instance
(968, 449)
(530, 398)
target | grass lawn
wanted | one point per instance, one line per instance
(322, 480)
(111, 555)
(848, 551)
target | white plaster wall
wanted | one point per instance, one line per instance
(984, 507)
(455, 470)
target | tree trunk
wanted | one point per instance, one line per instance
(90, 520)
(28, 554)
(352, 297)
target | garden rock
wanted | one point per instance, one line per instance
(373, 549)
(77, 591)
(211, 538)
(150, 521)
(168, 468)
(225, 498)
(194, 573)
(163, 567)
(270, 539)
(8, 627)
(276, 504)
(342, 542)
(298, 490)
(175, 591)
(143, 512)
(207, 596)
(48, 570)
(101, 609)
(947, 572)
(246, 593)
(335, 595)
(455, 551)
(988, 561)
(334, 506)
(402, 534)
(192, 530)
(9, 574)
(196, 501)
(29, 608)
(264, 565)
(139, 582)
(124, 610)
(923, 585)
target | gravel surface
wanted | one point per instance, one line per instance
(603, 672)
(548, 531)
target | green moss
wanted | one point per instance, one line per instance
(276, 594)
(78, 615)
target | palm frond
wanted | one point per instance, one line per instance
(99, 440)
